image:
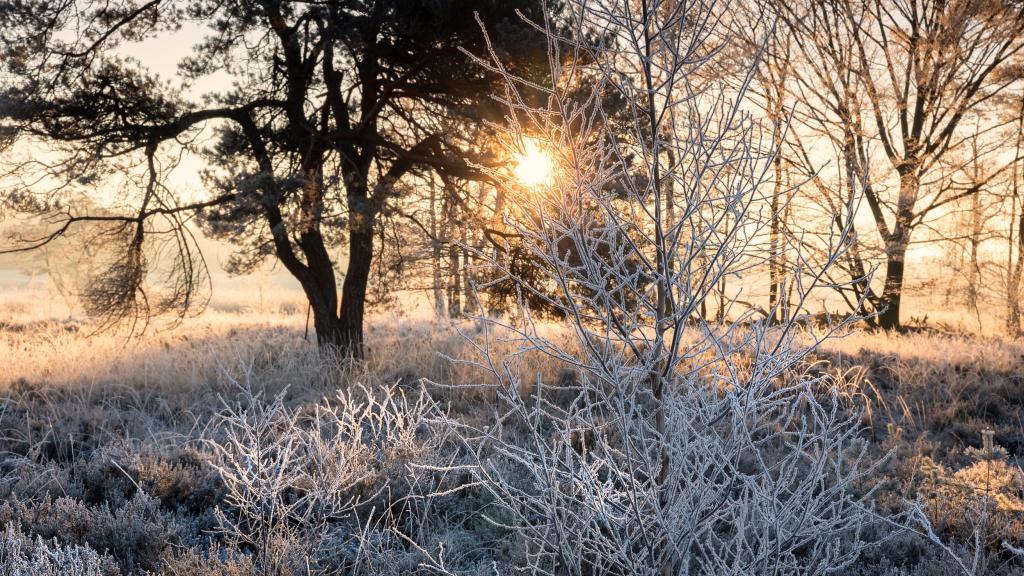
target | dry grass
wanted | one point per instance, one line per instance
(104, 436)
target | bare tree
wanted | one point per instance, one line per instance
(902, 74)
(677, 445)
(979, 165)
(772, 91)
(332, 103)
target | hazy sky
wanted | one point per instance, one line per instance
(161, 55)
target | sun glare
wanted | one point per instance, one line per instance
(534, 166)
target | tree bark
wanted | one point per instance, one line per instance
(1013, 317)
(453, 228)
(454, 279)
(467, 280)
(325, 323)
(1016, 268)
(892, 294)
(775, 245)
(896, 248)
(357, 276)
(440, 309)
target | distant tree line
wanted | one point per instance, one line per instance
(355, 146)
(908, 113)
(910, 108)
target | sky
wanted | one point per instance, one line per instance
(161, 55)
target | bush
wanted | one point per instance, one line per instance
(20, 555)
(686, 443)
(299, 481)
(136, 535)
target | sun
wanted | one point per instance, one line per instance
(534, 166)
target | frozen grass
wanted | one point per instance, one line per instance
(110, 452)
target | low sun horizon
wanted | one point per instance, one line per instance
(534, 165)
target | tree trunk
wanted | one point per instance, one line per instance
(440, 309)
(774, 250)
(974, 275)
(1013, 317)
(353, 290)
(775, 92)
(1015, 276)
(321, 292)
(453, 231)
(454, 279)
(1016, 268)
(896, 248)
(467, 279)
(892, 294)
(325, 323)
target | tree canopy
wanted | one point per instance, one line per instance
(330, 104)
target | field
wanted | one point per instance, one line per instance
(165, 455)
(551, 288)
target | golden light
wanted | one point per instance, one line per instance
(534, 166)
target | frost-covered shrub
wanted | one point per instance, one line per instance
(172, 472)
(211, 562)
(21, 555)
(136, 534)
(694, 437)
(302, 483)
(975, 515)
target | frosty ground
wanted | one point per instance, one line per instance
(167, 454)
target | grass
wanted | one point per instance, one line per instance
(111, 460)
